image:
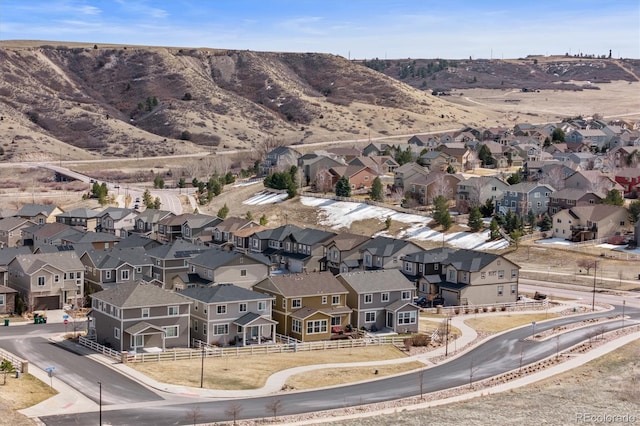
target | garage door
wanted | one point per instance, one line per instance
(47, 302)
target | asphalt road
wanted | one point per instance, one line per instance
(80, 372)
(502, 353)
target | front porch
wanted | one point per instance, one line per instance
(254, 329)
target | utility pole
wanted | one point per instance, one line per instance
(593, 300)
(100, 404)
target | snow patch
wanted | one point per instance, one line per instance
(265, 197)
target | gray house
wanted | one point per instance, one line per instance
(139, 317)
(381, 300)
(227, 314)
(220, 266)
(385, 252)
(524, 197)
(172, 259)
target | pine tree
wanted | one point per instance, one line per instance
(343, 188)
(263, 220)
(223, 212)
(494, 230)
(376, 193)
(441, 212)
(475, 219)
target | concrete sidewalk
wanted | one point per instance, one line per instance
(71, 401)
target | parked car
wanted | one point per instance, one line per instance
(423, 302)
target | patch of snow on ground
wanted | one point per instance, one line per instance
(561, 241)
(265, 198)
(341, 214)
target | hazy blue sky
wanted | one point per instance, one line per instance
(355, 28)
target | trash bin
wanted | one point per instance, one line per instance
(17, 374)
(36, 320)
(6, 322)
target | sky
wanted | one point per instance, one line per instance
(355, 29)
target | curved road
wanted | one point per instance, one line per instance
(502, 353)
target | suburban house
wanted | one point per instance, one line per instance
(172, 259)
(462, 156)
(279, 159)
(39, 213)
(223, 232)
(406, 171)
(146, 223)
(593, 137)
(476, 191)
(109, 268)
(343, 246)
(270, 242)
(227, 314)
(8, 298)
(425, 269)
(360, 177)
(82, 218)
(242, 237)
(381, 164)
(437, 160)
(524, 197)
(592, 180)
(303, 250)
(312, 165)
(381, 300)
(628, 178)
(220, 266)
(476, 278)
(97, 240)
(11, 231)
(425, 188)
(48, 280)
(385, 252)
(7, 254)
(137, 317)
(47, 234)
(591, 222)
(308, 307)
(571, 197)
(191, 227)
(116, 221)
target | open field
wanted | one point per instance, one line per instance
(21, 393)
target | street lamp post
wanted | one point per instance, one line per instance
(624, 302)
(202, 367)
(593, 300)
(100, 404)
(446, 330)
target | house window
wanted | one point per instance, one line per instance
(452, 276)
(204, 329)
(221, 309)
(139, 269)
(406, 295)
(284, 303)
(407, 317)
(500, 290)
(41, 281)
(220, 329)
(500, 274)
(56, 278)
(173, 311)
(436, 266)
(145, 312)
(296, 303)
(262, 305)
(513, 290)
(384, 297)
(296, 326)
(316, 326)
(171, 331)
(514, 273)
(622, 223)
(483, 275)
(324, 300)
(116, 333)
(124, 275)
(408, 267)
(137, 341)
(1, 299)
(370, 316)
(243, 307)
(368, 298)
(243, 272)
(335, 299)
(195, 325)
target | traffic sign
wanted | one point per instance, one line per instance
(66, 321)
(65, 317)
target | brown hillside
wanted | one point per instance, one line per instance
(74, 101)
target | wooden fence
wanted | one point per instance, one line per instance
(19, 364)
(88, 343)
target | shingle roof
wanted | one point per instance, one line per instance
(470, 260)
(311, 236)
(436, 255)
(223, 293)
(278, 234)
(11, 223)
(376, 281)
(32, 210)
(64, 261)
(347, 241)
(131, 295)
(81, 212)
(7, 254)
(215, 258)
(301, 285)
(178, 249)
(385, 246)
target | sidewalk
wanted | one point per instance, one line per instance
(71, 401)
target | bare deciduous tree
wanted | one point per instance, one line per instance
(554, 177)
(586, 264)
(194, 415)
(274, 406)
(234, 410)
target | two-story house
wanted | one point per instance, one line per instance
(406, 171)
(199, 228)
(146, 222)
(475, 278)
(570, 197)
(385, 252)
(342, 253)
(39, 213)
(137, 317)
(171, 260)
(48, 280)
(524, 197)
(629, 179)
(303, 250)
(381, 300)
(224, 231)
(220, 266)
(425, 269)
(82, 218)
(227, 314)
(476, 191)
(109, 268)
(591, 222)
(279, 159)
(309, 306)
(116, 221)
(11, 231)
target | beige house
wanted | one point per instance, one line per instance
(48, 280)
(591, 222)
(11, 231)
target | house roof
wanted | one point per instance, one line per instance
(91, 237)
(347, 241)
(278, 234)
(11, 223)
(436, 255)
(232, 224)
(470, 260)
(115, 213)
(7, 254)
(142, 326)
(153, 215)
(311, 236)
(386, 246)
(135, 294)
(136, 240)
(527, 187)
(302, 285)
(399, 304)
(222, 293)
(80, 212)
(63, 261)
(376, 281)
(596, 212)
(178, 249)
(573, 194)
(32, 210)
(247, 232)
(216, 258)
(118, 256)
(6, 290)
(306, 312)
(251, 318)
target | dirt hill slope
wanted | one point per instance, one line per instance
(78, 101)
